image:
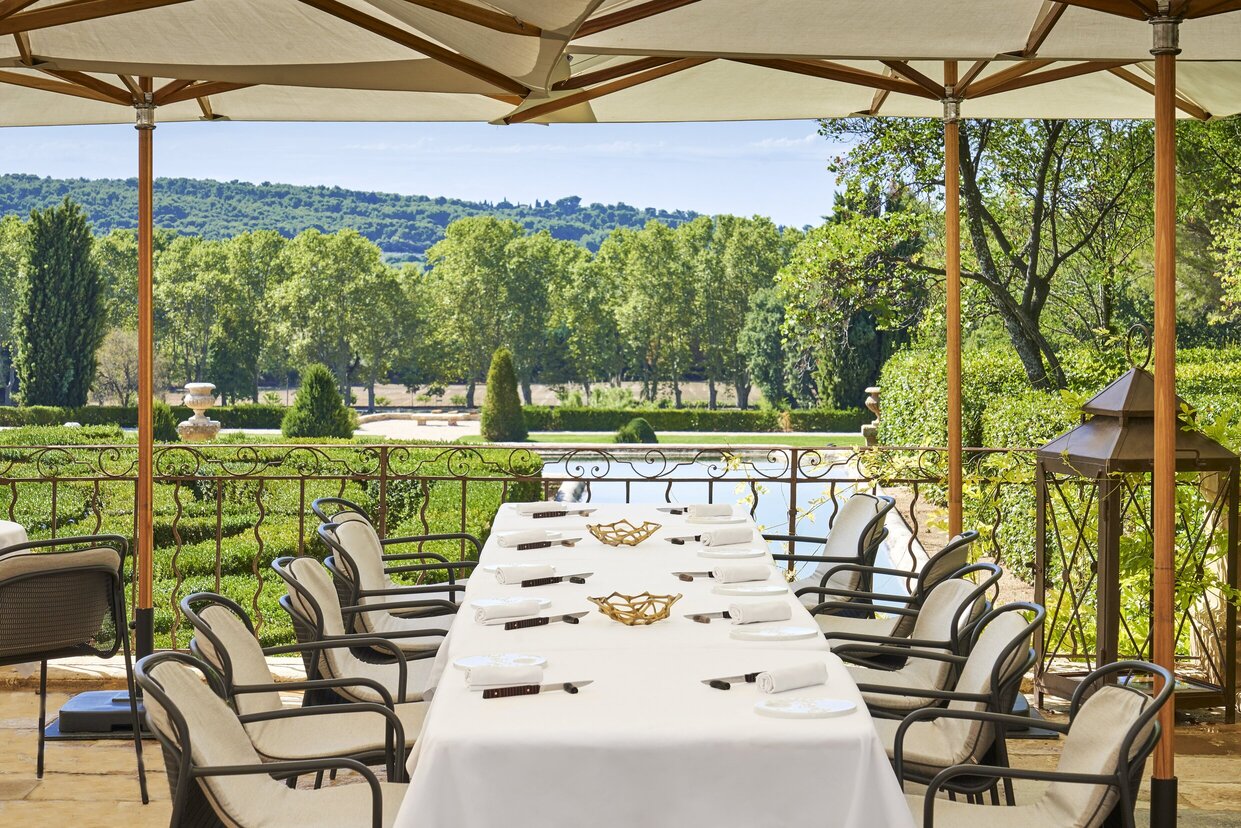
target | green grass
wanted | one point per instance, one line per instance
(704, 439)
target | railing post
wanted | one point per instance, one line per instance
(383, 491)
(793, 467)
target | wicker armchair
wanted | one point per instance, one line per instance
(62, 598)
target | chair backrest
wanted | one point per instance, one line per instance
(315, 610)
(224, 638)
(197, 728)
(945, 562)
(62, 598)
(358, 556)
(1000, 652)
(338, 510)
(1112, 730)
(950, 609)
(855, 530)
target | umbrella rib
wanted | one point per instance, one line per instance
(75, 11)
(200, 90)
(498, 21)
(971, 75)
(630, 15)
(419, 44)
(583, 95)
(1048, 17)
(23, 47)
(92, 83)
(171, 87)
(1060, 73)
(57, 86)
(611, 73)
(906, 71)
(844, 74)
(878, 99)
(204, 103)
(8, 7)
(1218, 7)
(1182, 103)
(986, 85)
(1133, 9)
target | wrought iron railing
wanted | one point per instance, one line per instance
(225, 510)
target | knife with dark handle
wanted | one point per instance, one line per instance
(684, 540)
(544, 544)
(570, 687)
(560, 513)
(579, 578)
(705, 617)
(727, 682)
(689, 576)
(673, 510)
(544, 620)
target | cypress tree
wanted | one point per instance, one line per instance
(502, 420)
(318, 410)
(61, 317)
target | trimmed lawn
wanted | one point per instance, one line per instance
(701, 439)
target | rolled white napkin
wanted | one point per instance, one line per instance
(541, 506)
(793, 678)
(703, 510)
(511, 539)
(728, 535)
(504, 675)
(737, 573)
(516, 573)
(514, 609)
(755, 612)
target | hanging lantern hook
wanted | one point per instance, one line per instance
(1138, 335)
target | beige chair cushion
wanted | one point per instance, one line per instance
(245, 656)
(332, 733)
(1092, 746)
(845, 536)
(338, 662)
(254, 800)
(11, 534)
(883, 626)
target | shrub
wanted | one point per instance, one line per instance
(317, 411)
(502, 420)
(565, 418)
(41, 435)
(637, 430)
(163, 423)
(237, 416)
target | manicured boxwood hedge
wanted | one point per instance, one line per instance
(566, 418)
(230, 416)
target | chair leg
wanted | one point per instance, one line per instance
(318, 780)
(42, 716)
(135, 721)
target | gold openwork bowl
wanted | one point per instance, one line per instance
(622, 533)
(636, 610)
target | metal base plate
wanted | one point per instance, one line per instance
(100, 714)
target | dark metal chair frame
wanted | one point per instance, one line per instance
(999, 700)
(120, 620)
(351, 593)
(868, 547)
(395, 745)
(1130, 764)
(959, 638)
(310, 631)
(190, 806)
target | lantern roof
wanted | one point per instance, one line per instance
(1117, 434)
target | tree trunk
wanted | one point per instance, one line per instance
(743, 394)
(586, 387)
(469, 394)
(342, 376)
(526, 392)
(676, 392)
(711, 394)
(370, 396)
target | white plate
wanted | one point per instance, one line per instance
(725, 552)
(750, 590)
(544, 603)
(784, 632)
(501, 660)
(804, 708)
(715, 520)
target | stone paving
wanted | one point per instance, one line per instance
(89, 784)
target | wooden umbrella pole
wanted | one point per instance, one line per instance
(952, 268)
(144, 559)
(1163, 788)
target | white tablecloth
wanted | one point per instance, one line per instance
(11, 534)
(647, 743)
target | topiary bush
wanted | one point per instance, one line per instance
(163, 423)
(637, 430)
(318, 410)
(502, 420)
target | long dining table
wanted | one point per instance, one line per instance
(647, 742)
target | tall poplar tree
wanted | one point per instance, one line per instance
(61, 313)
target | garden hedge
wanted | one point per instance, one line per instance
(230, 416)
(567, 418)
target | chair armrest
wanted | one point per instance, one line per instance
(313, 684)
(305, 766)
(774, 536)
(428, 589)
(927, 714)
(394, 731)
(408, 568)
(947, 774)
(361, 609)
(854, 593)
(785, 556)
(414, 556)
(921, 693)
(442, 536)
(346, 641)
(829, 608)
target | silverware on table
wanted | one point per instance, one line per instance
(689, 576)
(705, 617)
(727, 682)
(539, 621)
(579, 578)
(570, 687)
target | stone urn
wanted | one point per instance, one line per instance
(870, 431)
(199, 396)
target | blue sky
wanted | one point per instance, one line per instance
(773, 168)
